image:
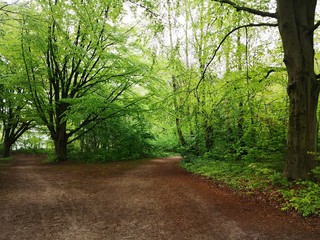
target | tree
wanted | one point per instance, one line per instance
(16, 113)
(78, 65)
(15, 116)
(296, 23)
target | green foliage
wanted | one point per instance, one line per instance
(50, 156)
(4, 161)
(165, 144)
(316, 173)
(120, 138)
(83, 66)
(16, 112)
(304, 197)
(245, 175)
(251, 176)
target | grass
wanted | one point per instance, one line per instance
(251, 177)
(4, 161)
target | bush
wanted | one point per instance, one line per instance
(304, 198)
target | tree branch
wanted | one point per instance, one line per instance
(225, 37)
(247, 9)
(315, 27)
(269, 72)
(2, 8)
(23, 128)
(97, 121)
(144, 7)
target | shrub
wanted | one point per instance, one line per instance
(304, 198)
(251, 176)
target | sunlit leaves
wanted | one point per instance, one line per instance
(82, 64)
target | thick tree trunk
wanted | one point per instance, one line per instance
(8, 141)
(6, 148)
(302, 133)
(60, 143)
(12, 132)
(296, 21)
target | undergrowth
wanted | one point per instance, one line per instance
(4, 160)
(251, 177)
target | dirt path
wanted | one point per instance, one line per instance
(131, 200)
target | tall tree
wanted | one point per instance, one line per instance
(15, 116)
(296, 23)
(16, 113)
(77, 61)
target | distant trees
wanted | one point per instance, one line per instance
(116, 138)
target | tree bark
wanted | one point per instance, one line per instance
(177, 112)
(296, 26)
(61, 149)
(61, 142)
(7, 141)
(209, 137)
(180, 133)
(6, 152)
(13, 130)
(296, 20)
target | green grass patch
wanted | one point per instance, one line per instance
(4, 161)
(252, 177)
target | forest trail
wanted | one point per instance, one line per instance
(131, 200)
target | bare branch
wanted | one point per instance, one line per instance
(2, 8)
(247, 9)
(23, 128)
(315, 27)
(268, 73)
(225, 37)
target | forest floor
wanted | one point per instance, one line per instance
(148, 199)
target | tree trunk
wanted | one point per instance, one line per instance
(179, 131)
(60, 143)
(61, 150)
(8, 141)
(177, 112)
(209, 137)
(296, 22)
(6, 152)
(12, 132)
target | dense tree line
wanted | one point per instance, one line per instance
(127, 78)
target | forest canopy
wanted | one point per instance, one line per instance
(111, 79)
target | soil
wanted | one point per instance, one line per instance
(148, 199)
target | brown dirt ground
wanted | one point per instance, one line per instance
(151, 199)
